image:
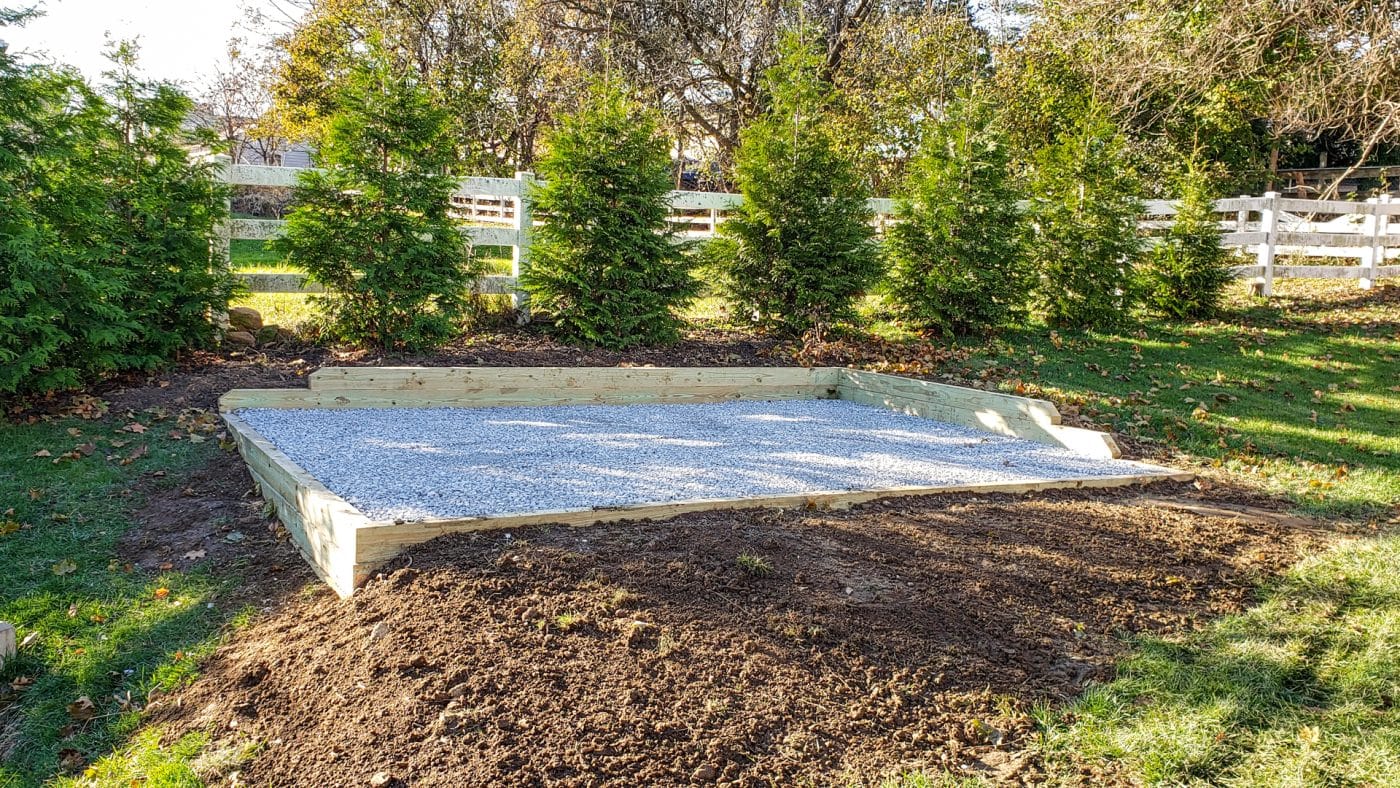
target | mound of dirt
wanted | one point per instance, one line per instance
(746, 647)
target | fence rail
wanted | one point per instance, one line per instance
(497, 212)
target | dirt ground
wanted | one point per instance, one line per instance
(751, 647)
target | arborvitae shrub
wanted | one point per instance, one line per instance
(1186, 273)
(800, 249)
(1083, 214)
(105, 228)
(165, 208)
(604, 264)
(957, 262)
(373, 226)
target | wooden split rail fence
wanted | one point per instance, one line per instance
(496, 212)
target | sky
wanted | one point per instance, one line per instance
(181, 40)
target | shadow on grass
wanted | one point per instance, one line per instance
(1299, 690)
(107, 630)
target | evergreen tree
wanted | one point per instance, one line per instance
(1084, 215)
(61, 322)
(605, 263)
(373, 226)
(800, 248)
(164, 210)
(1186, 273)
(957, 250)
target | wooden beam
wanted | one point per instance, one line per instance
(9, 647)
(500, 397)
(1003, 414)
(582, 379)
(322, 524)
(379, 542)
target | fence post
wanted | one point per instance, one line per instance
(1375, 228)
(1268, 224)
(223, 235)
(1242, 219)
(520, 253)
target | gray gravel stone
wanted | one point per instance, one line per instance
(416, 463)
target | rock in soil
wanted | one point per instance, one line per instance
(245, 318)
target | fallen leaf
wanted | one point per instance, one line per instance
(43, 453)
(35, 493)
(167, 566)
(86, 449)
(194, 555)
(65, 567)
(82, 709)
(136, 427)
(71, 760)
(162, 592)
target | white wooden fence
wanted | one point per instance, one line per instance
(496, 212)
(1274, 227)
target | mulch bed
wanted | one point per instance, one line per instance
(905, 633)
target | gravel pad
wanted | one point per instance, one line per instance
(416, 463)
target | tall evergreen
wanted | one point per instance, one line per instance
(1083, 212)
(605, 263)
(957, 250)
(1186, 273)
(800, 248)
(373, 226)
(164, 210)
(105, 226)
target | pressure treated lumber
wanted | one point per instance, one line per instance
(346, 548)
(1003, 414)
(9, 647)
(586, 379)
(321, 523)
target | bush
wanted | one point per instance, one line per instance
(1084, 215)
(1187, 272)
(800, 248)
(105, 227)
(373, 226)
(163, 212)
(957, 261)
(605, 263)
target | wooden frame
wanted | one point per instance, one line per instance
(345, 547)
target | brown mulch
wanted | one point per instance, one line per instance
(200, 380)
(904, 633)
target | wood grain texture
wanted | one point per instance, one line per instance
(378, 542)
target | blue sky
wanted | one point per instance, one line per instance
(181, 40)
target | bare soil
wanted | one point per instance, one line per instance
(751, 647)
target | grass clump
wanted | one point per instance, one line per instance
(755, 565)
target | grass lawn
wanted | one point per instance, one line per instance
(107, 634)
(1299, 397)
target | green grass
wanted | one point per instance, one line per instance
(1302, 690)
(103, 629)
(1297, 396)
(295, 310)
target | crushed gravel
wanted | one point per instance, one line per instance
(417, 463)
